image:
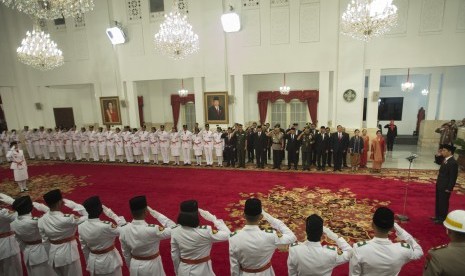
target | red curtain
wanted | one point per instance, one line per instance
(310, 96)
(140, 104)
(176, 102)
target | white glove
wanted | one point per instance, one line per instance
(6, 198)
(207, 215)
(330, 234)
(154, 213)
(75, 207)
(401, 233)
(108, 212)
(41, 207)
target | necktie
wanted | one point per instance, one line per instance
(292, 136)
(259, 133)
(339, 136)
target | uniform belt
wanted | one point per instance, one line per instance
(146, 258)
(33, 242)
(6, 234)
(198, 261)
(103, 251)
(257, 270)
(63, 240)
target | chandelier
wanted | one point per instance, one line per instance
(365, 19)
(284, 90)
(38, 51)
(425, 92)
(175, 38)
(408, 86)
(51, 9)
(183, 92)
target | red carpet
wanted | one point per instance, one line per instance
(345, 201)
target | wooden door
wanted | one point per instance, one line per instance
(64, 117)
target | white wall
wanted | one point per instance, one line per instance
(453, 94)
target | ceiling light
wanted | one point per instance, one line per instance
(231, 21)
(408, 86)
(284, 90)
(116, 35)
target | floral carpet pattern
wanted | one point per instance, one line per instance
(341, 209)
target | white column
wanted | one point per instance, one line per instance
(133, 109)
(199, 102)
(239, 99)
(323, 102)
(434, 96)
(372, 102)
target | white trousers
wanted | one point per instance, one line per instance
(186, 154)
(11, 266)
(61, 152)
(73, 269)
(146, 153)
(165, 155)
(40, 269)
(77, 151)
(208, 155)
(116, 272)
(45, 152)
(129, 155)
(111, 153)
(30, 150)
(94, 151)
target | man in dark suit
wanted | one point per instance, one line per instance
(445, 183)
(229, 147)
(292, 147)
(260, 144)
(346, 149)
(391, 134)
(216, 111)
(338, 148)
(329, 155)
(322, 146)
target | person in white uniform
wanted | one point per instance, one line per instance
(27, 233)
(186, 145)
(191, 244)
(119, 147)
(10, 256)
(154, 144)
(135, 142)
(19, 166)
(60, 230)
(145, 144)
(127, 145)
(140, 241)
(197, 146)
(110, 142)
(312, 258)
(93, 144)
(59, 144)
(102, 144)
(28, 140)
(380, 256)
(51, 144)
(175, 145)
(43, 143)
(76, 136)
(5, 140)
(85, 144)
(164, 138)
(36, 143)
(97, 238)
(207, 140)
(68, 139)
(251, 249)
(218, 144)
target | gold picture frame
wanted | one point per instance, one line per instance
(216, 107)
(111, 113)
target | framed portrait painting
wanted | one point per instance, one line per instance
(111, 114)
(216, 108)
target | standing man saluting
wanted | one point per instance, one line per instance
(445, 183)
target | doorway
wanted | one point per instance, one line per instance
(64, 117)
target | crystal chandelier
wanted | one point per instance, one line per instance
(183, 92)
(284, 90)
(51, 9)
(425, 92)
(38, 51)
(365, 19)
(408, 86)
(175, 38)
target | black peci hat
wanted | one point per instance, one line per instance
(253, 207)
(52, 197)
(314, 227)
(93, 206)
(138, 203)
(383, 218)
(22, 205)
(188, 215)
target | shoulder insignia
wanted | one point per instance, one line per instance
(339, 251)
(233, 234)
(439, 247)
(113, 225)
(175, 226)
(106, 222)
(360, 244)
(35, 218)
(279, 234)
(203, 227)
(294, 244)
(331, 247)
(161, 228)
(405, 245)
(269, 231)
(214, 231)
(151, 225)
(67, 215)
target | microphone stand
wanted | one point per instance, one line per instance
(403, 217)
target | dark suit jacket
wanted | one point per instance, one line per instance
(337, 144)
(229, 143)
(291, 144)
(215, 116)
(322, 145)
(391, 133)
(260, 142)
(447, 176)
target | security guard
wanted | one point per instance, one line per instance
(27, 234)
(60, 230)
(448, 259)
(191, 244)
(241, 145)
(140, 241)
(97, 239)
(251, 249)
(10, 257)
(380, 256)
(310, 257)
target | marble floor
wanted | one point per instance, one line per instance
(397, 158)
